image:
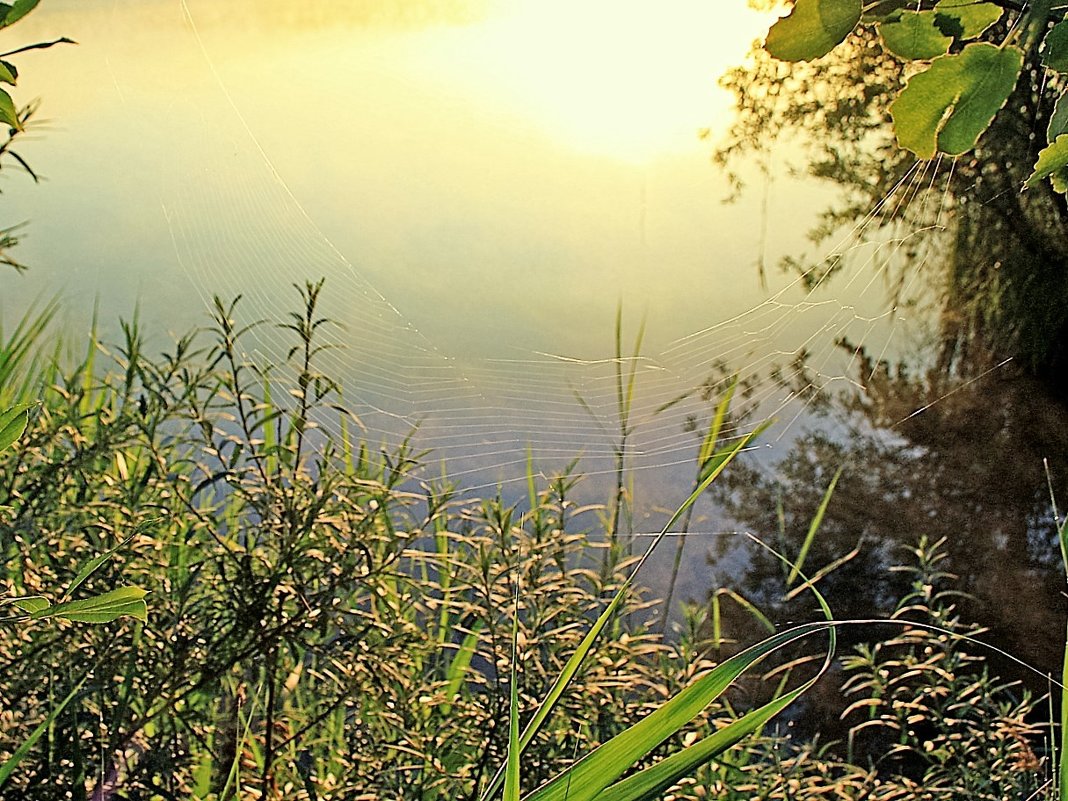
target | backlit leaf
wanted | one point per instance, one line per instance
(18, 10)
(915, 35)
(812, 29)
(31, 604)
(123, 602)
(9, 115)
(1058, 120)
(1055, 49)
(966, 19)
(12, 424)
(948, 106)
(1053, 164)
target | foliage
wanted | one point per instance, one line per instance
(957, 84)
(325, 624)
(956, 236)
(12, 117)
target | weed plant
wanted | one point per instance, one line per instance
(326, 625)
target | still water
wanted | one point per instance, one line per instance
(482, 184)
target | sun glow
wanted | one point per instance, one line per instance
(625, 79)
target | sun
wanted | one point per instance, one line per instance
(626, 79)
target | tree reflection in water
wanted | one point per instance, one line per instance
(968, 440)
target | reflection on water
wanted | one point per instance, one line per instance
(481, 183)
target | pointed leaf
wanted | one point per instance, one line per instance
(12, 423)
(569, 671)
(812, 29)
(9, 115)
(1055, 48)
(123, 602)
(813, 527)
(8, 73)
(18, 10)
(91, 566)
(966, 19)
(651, 782)
(459, 666)
(915, 35)
(30, 604)
(1053, 164)
(599, 769)
(1058, 121)
(948, 106)
(8, 767)
(511, 773)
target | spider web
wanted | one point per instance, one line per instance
(489, 343)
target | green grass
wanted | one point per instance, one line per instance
(322, 627)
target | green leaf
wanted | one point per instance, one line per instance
(966, 19)
(813, 527)
(123, 602)
(1055, 49)
(812, 29)
(1058, 120)
(915, 35)
(459, 666)
(599, 769)
(651, 782)
(9, 115)
(511, 773)
(8, 767)
(1053, 164)
(18, 10)
(30, 604)
(8, 73)
(885, 10)
(947, 107)
(569, 671)
(13, 421)
(91, 566)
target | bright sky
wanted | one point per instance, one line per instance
(627, 79)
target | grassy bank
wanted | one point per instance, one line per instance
(324, 626)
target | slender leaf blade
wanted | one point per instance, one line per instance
(813, 527)
(602, 767)
(92, 566)
(121, 602)
(12, 762)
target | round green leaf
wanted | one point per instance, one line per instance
(947, 107)
(812, 29)
(915, 35)
(1055, 49)
(966, 19)
(1052, 163)
(1058, 120)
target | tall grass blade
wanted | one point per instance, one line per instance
(459, 666)
(708, 446)
(567, 674)
(651, 782)
(511, 779)
(597, 771)
(813, 527)
(12, 761)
